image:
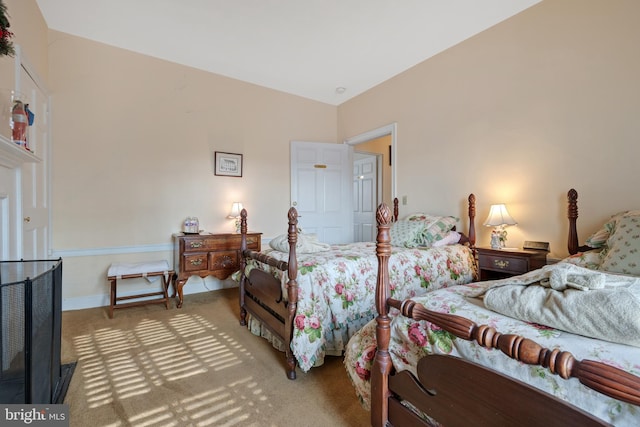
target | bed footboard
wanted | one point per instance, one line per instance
(261, 295)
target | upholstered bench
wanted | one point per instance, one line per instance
(149, 270)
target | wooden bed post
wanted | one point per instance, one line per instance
(292, 291)
(472, 233)
(572, 214)
(382, 363)
(396, 210)
(472, 221)
(243, 265)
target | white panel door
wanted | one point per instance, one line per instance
(365, 198)
(321, 191)
(35, 176)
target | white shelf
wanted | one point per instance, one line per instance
(12, 155)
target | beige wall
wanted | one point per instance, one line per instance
(134, 142)
(134, 139)
(520, 113)
(543, 102)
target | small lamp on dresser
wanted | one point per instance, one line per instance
(499, 218)
(236, 208)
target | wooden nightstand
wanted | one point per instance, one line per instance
(500, 263)
(208, 254)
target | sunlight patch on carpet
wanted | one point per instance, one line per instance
(164, 357)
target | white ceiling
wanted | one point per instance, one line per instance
(303, 47)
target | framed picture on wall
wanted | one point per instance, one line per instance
(227, 164)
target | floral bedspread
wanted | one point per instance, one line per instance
(411, 340)
(336, 294)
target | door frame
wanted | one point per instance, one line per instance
(390, 129)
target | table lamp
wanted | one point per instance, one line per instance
(236, 208)
(499, 218)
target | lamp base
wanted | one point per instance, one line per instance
(495, 244)
(498, 237)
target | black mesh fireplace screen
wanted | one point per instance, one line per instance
(30, 338)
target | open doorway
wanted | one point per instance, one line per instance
(374, 177)
(367, 192)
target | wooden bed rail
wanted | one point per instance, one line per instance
(601, 377)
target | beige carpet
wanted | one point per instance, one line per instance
(194, 366)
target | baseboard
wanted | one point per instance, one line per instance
(193, 286)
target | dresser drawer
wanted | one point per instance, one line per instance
(217, 243)
(504, 263)
(223, 260)
(253, 242)
(195, 262)
(500, 263)
(194, 245)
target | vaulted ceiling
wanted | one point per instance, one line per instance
(310, 48)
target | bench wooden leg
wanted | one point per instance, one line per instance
(113, 298)
(165, 289)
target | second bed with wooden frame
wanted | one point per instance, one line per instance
(309, 304)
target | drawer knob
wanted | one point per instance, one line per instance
(501, 263)
(195, 245)
(196, 262)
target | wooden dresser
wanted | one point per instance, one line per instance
(206, 254)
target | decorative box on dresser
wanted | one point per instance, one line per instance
(500, 263)
(207, 254)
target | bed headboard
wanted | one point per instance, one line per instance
(471, 214)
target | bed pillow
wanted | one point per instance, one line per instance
(452, 237)
(623, 247)
(600, 237)
(306, 244)
(436, 227)
(407, 234)
(589, 259)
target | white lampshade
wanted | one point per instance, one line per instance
(236, 208)
(499, 216)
